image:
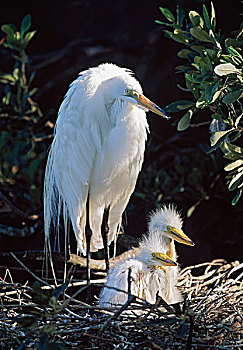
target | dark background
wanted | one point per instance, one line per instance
(74, 35)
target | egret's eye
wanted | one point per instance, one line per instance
(168, 228)
(153, 255)
(127, 92)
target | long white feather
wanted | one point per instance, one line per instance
(98, 150)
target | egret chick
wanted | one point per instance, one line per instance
(154, 270)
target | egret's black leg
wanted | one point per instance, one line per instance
(88, 234)
(104, 233)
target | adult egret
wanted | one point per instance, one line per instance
(154, 270)
(96, 155)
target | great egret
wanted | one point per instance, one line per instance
(96, 155)
(154, 268)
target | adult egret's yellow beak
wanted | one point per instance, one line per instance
(163, 259)
(146, 103)
(179, 235)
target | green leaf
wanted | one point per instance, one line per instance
(178, 37)
(233, 165)
(235, 181)
(233, 52)
(27, 321)
(216, 95)
(191, 77)
(202, 101)
(196, 19)
(28, 37)
(214, 39)
(200, 62)
(6, 78)
(210, 91)
(238, 120)
(232, 97)
(25, 24)
(206, 17)
(8, 29)
(217, 116)
(200, 34)
(237, 197)
(207, 61)
(213, 17)
(193, 88)
(231, 151)
(212, 53)
(180, 14)
(33, 91)
(60, 289)
(198, 48)
(218, 138)
(225, 69)
(177, 106)
(233, 42)
(184, 53)
(184, 122)
(166, 12)
(191, 210)
(40, 296)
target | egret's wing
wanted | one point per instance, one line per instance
(81, 127)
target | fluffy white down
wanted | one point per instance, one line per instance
(167, 215)
(98, 148)
(147, 279)
(145, 284)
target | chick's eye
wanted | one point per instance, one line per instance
(153, 255)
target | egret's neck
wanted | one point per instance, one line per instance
(115, 110)
(171, 250)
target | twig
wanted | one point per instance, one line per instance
(122, 308)
(14, 208)
(29, 271)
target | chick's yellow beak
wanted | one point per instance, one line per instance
(179, 235)
(163, 259)
(145, 102)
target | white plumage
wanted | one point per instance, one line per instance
(97, 152)
(149, 277)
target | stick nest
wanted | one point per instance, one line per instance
(211, 316)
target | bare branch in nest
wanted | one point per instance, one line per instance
(100, 264)
(211, 315)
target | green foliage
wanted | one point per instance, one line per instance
(21, 155)
(18, 90)
(213, 74)
(46, 307)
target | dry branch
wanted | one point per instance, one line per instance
(211, 316)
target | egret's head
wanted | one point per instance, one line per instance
(168, 222)
(153, 250)
(121, 85)
(160, 259)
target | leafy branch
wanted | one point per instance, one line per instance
(18, 90)
(213, 75)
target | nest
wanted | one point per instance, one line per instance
(210, 317)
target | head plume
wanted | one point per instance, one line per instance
(167, 215)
